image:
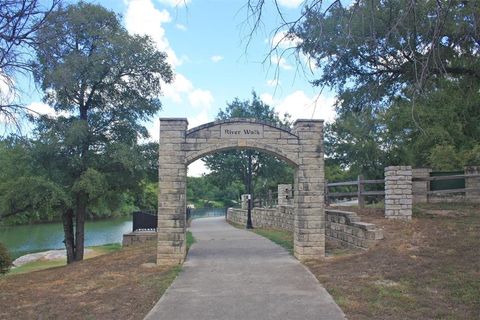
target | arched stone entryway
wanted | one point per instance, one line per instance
(302, 147)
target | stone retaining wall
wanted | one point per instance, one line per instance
(138, 237)
(274, 218)
(347, 228)
(343, 226)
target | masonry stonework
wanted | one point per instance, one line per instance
(285, 195)
(398, 192)
(341, 226)
(301, 147)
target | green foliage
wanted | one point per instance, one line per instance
(5, 259)
(374, 51)
(205, 192)
(106, 83)
(230, 168)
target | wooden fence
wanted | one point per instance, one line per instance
(446, 178)
(360, 193)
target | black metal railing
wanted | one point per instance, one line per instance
(143, 221)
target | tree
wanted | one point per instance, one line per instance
(374, 51)
(19, 21)
(232, 165)
(104, 82)
(413, 66)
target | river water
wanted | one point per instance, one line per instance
(24, 239)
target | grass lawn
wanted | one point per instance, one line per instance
(46, 264)
(123, 284)
(428, 268)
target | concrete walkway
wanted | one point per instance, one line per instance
(235, 274)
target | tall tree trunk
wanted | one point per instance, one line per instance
(81, 197)
(67, 218)
(80, 225)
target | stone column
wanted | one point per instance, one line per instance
(284, 195)
(420, 188)
(472, 182)
(309, 202)
(244, 199)
(172, 172)
(398, 192)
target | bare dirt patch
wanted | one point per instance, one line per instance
(111, 286)
(428, 268)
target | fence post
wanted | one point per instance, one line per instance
(361, 189)
(472, 182)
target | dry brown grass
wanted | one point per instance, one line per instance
(111, 286)
(428, 268)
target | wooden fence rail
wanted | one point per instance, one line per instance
(450, 177)
(360, 193)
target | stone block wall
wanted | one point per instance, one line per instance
(398, 192)
(285, 195)
(138, 237)
(343, 226)
(347, 228)
(276, 218)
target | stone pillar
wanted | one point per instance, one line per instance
(172, 172)
(472, 182)
(284, 195)
(309, 202)
(398, 192)
(244, 199)
(420, 188)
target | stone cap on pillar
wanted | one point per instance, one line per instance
(174, 119)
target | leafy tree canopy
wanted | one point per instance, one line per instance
(103, 83)
(230, 166)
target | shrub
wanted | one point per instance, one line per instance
(5, 259)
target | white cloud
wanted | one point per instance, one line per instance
(175, 3)
(273, 82)
(301, 106)
(144, 19)
(179, 86)
(41, 108)
(200, 98)
(284, 40)
(197, 168)
(290, 3)
(280, 62)
(180, 26)
(216, 58)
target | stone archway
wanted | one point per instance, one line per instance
(302, 147)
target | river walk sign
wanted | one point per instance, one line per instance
(300, 146)
(245, 131)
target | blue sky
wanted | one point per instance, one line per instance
(206, 41)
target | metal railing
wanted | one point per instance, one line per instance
(143, 221)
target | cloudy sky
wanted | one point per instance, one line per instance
(215, 60)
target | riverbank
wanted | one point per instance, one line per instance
(56, 258)
(124, 284)
(25, 239)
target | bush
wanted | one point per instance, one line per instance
(5, 259)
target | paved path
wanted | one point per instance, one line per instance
(235, 274)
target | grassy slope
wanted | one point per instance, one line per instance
(46, 264)
(124, 284)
